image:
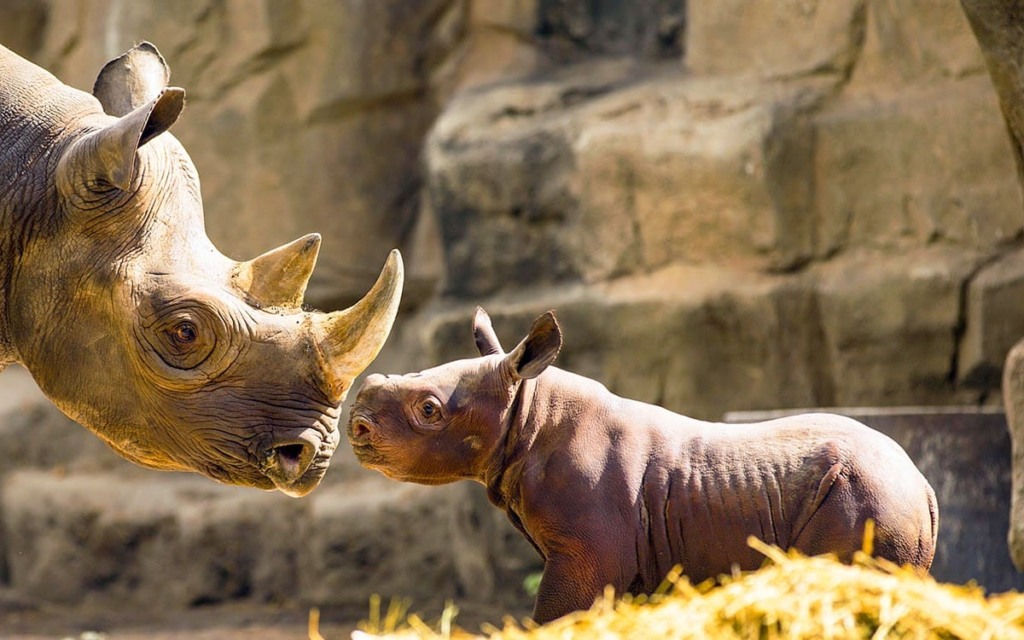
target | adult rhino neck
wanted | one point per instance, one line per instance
(37, 115)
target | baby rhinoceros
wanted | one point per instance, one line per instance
(616, 492)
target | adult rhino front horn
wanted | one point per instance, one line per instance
(129, 318)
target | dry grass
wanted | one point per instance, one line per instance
(791, 597)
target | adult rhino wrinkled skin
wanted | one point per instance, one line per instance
(616, 492)
(128, 317)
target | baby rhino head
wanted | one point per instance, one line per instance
(446, 423)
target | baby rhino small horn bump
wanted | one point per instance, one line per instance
(279, 277)
(351, 339)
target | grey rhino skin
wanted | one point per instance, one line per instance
(616, 492)
(126, 315)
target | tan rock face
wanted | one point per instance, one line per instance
(773, 39)
(787, 149)
(993, 322)
(732, 205)
(604, 175)
(889, 325)
(888, 175)
(915, 41)
(318, 109)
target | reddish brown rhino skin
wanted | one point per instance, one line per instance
(616, 492)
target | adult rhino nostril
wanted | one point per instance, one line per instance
(288, 462)
(291, 453)
(292, 460)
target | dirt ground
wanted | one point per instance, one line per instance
(225, 622)
(222, 623)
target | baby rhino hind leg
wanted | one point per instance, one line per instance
(903, 514)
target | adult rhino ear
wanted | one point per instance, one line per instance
(109, 153)
(483, 333)
(131, 80)
(538, 349)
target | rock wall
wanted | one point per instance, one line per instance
(815, 206)
(731, 204)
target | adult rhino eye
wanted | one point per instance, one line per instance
(184, 333)
(186, 340)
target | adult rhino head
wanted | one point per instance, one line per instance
(129, 318)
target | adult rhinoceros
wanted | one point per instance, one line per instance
(128, 317)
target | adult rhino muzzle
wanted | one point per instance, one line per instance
(129, 318)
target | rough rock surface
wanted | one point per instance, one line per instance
(732, 205)
(998, 29)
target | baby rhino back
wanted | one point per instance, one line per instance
(807, 482)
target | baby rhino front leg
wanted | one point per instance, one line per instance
(570, 584)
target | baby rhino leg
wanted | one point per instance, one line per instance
(568, 585)
(836, 519)
(901, 513)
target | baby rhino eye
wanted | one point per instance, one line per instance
(430, 408)
(429, 414)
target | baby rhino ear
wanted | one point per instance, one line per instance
(483, 333)
(538, 349)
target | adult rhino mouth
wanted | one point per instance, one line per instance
(296, 464)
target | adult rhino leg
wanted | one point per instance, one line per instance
(998, 26)
(1013, 399)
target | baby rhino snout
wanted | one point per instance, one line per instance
(360, 430)
(360, 425)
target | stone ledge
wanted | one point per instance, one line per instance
(864, 327)
(173, 541)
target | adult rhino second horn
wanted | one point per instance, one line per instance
(349, 340)
(278, 278)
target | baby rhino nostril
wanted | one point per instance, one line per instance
(359, 430)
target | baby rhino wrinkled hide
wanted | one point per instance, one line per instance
(126, 315)
(616, 492)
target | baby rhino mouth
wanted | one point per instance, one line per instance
(297, 463)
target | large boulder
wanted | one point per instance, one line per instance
(303, 116)
(409, 541)
(610, 169)
(774, 39)
(914, 42)
(890, 325)
(993, 321)
(686, 338)
(887, 176)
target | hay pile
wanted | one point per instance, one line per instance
(792, 597)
